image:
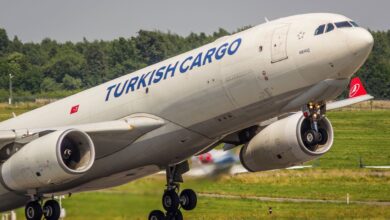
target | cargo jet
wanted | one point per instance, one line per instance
(266, 88)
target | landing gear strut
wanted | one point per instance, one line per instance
(171, 200)
(51, 210)
(315, 136)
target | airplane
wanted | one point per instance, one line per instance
(213, 164)
(218, 162)
(279, 75)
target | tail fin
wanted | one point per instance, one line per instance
(357, 94)
(356, 88)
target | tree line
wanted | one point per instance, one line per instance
(52, 70)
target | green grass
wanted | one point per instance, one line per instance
(6, 110)
(359, 135)
(227, 209)
(103, 206)
(136, 199)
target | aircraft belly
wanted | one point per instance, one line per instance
(246, 116)
(10, 200)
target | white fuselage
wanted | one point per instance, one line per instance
(205, 94)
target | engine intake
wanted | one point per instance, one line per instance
(285, 143)
(52, 159)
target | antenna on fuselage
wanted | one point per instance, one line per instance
(266, 19)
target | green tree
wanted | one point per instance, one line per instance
(4, 41)
(70, 83)
(15, 45)
(96, 65)
(49, 85)
(151, 46)
(65, 62)
(376, 71)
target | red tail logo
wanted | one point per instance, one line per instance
(356, 88)
(206, 158)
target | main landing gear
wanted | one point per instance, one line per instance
(51, 210)
(171, 200)
(315, 136)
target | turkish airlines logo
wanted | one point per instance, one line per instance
(205, 158)
(355, 88)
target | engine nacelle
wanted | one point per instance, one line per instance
(281, 145)
(52, 159)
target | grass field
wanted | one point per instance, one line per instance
(359, 135)
(136, 199)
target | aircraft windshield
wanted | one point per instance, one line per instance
(354, 24)
(330, 26)
(320, 30)
(343, 24)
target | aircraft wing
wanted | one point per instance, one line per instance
(108, 137)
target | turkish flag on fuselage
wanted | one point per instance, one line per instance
(74, 109)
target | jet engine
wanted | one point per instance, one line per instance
(282, 145)
(52, 159)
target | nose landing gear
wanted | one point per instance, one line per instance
(171, 200)
(315, 136)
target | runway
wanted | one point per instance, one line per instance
(295, 200)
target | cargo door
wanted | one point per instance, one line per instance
(279, 44)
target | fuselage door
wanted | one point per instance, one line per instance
(279, 44)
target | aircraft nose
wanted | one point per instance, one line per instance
(360, 42)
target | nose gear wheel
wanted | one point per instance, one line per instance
(315, 136)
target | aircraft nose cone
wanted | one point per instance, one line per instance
(361, 42)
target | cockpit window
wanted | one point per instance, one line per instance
(320, 30)
(343, 24)
(329, 27)
(354, 24)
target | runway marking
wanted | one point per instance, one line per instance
(295, 200)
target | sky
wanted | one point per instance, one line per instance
(72, 20)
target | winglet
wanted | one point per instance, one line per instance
(356, 88)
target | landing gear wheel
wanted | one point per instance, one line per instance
(175, 215)
(156, 215)
(52, 210)
(188, 199)
(323, 136)
(170, 201)
(33, 211)
(310, 138)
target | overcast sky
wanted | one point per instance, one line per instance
(71, 20)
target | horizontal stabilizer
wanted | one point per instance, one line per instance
(348, 102)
